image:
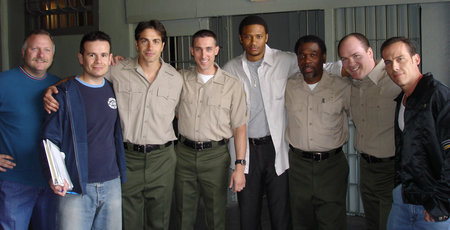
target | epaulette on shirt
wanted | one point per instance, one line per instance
(231, 76)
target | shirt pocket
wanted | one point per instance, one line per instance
(297, 113)
(382, 111)
(219, 110)
(129, 94)
(331, 113)
(166, 100)
(130, 98)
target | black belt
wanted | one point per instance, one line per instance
(316, 156)
(200, 145)
(371, 159)
(260, 141)
(145, 148)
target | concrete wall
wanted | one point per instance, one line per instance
(112, 22)
(118, 18)
(12, 32)
(65, 62)
(436, 40)
(3, 36)
(138, 10)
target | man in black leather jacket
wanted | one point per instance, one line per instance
(422, 141)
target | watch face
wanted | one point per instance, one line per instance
(242, 162)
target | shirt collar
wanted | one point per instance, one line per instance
(217, 78)
(268, 57)
(134, 63)
(375, 75)
(324, 80)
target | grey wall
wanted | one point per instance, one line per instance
(65, 61)
(118, 18)
(12, 32)
(111, 21)
(3, 40)
(138, 10)
(436, 40)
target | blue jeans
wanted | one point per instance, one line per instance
(99, 208)
(19, 203)
(409, 216)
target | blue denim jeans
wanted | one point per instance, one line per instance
(19, 203)
(408, 216)
(99, 208)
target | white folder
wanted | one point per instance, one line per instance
(56, 164)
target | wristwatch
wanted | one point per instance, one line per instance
(441, 218)
(242, 162)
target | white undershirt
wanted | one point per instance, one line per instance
(401, 116)
(312, 86)
(205, 78)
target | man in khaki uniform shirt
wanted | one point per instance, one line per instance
(212, 109)
(372, 110)
(317, 105)
(147, 92)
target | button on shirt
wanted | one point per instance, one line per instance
(317, 119)
(210, 111)
(373, 109)
(146, 110)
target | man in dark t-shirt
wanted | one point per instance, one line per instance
(87, 129)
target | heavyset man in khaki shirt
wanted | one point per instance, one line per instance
(317, 106)
(372, 110)
(212, 109)
(147, 92)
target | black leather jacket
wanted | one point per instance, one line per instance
(423, 148)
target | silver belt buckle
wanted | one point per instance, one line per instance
(317, 156)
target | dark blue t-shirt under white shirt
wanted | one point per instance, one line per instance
(101, 115)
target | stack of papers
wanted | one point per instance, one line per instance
(56, 164)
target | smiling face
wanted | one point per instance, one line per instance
(253, 39)
(38, 54)
(149, 46)
(204, 51)
(310, 61)
(401, 66)
(357, 60)
(95, 59)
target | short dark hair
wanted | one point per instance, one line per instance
(252, 20)
(37, 32)
(202, 34)
(410, 44)
(364, 41)
(310, 38)
(152, 24)
(94, 36)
